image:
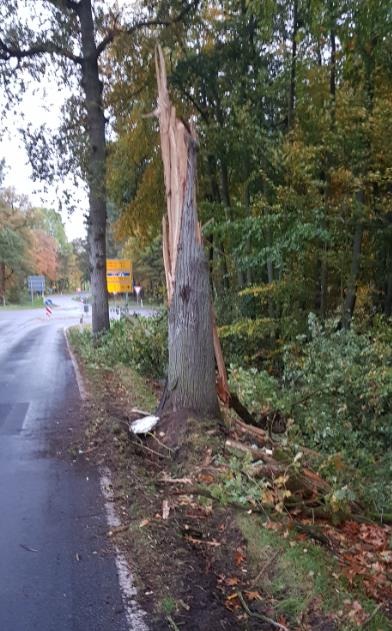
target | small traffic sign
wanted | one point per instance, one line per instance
(119, 276)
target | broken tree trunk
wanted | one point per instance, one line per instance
(191, 369)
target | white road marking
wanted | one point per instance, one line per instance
(134, 614)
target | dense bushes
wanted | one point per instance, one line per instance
(336, 386)
(138, 342)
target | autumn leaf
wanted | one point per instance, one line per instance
(239, 557)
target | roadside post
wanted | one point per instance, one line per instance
(36, 284)
(48, 308)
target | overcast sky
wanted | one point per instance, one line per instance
(38, 108)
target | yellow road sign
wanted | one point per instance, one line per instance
(119, 276)
(118, 265)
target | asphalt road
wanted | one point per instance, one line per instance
(57, 569)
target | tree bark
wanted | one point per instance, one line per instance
(293, 68)
(351, 292)
(97, 172)
(191, 370)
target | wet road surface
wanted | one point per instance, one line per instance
(57, 570)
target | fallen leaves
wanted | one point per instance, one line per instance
(239, 557)
(364, 554)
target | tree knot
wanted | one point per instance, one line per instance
(185, 292)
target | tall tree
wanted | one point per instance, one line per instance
(191, 370)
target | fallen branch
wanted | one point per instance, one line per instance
(253, 452)
(141, 412)
(173, 625)
(117, 530)
(151, 451)
(174, 481)
(198, 541)
(260, 616)
(305, 479)
(265, 567)
(255, 432)
(241, 410)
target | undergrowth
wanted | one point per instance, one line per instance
(335, 391)
(302, 577)
(138, 342)
(298, 576)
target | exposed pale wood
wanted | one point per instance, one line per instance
(254, 452)
(305, 479)
(222, 382)
(174, 145)
(175, 142)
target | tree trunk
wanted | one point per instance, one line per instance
(97, 172)
(351, 293)
(2, 282)
(388, 298)
(191, 370)
(293, 68)
(388, 287)
(191, 382)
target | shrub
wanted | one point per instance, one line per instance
(337, 387)
(138, 342)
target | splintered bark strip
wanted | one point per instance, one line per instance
(222, 382)
(174, 147)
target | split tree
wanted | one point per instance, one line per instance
(191, 370)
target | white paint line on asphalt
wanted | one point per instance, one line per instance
(134, 614)
(78, 375)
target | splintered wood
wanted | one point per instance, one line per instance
(175, 139)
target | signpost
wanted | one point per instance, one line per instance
(119, 276)
(36, 284)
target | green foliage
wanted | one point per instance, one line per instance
(337, 387)
(343, 382)
(137, 342)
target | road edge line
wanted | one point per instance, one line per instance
(133, 613)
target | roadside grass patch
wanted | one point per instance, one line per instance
(303, 578)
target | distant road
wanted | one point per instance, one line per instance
(57, 571)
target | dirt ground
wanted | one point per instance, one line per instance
(188, 559)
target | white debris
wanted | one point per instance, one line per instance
(144, 425)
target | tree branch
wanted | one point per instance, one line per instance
(114, 32)
(13, 52)
(72, 5)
